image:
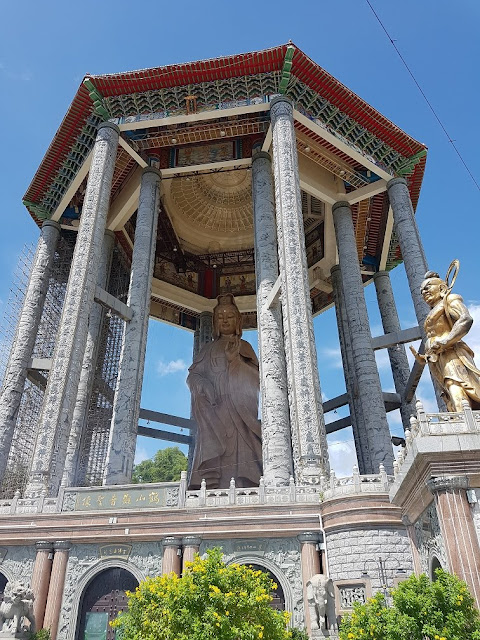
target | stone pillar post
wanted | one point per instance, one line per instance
(306, 413)
(413, 255)
(191, 546)
(206, 328)
(57, 584)
(22, 348)
(41, 579)
(172, 556)
(126, 407)
(87, 375)
(64, 376)
(276, 437)
(397, 354)
(458, 529)
(310, 560)
(366, 373)
(196, 342)
(356, 414)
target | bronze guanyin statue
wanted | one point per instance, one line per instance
(224, 382)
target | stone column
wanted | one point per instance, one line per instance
(196, 342)
(406, 230)
(307, 423)
(370, 395)
(172, 556)
(359, 427)
(22, 348)
(458, 529)
(310, 560)
(191, 546)
(206, 328)
(397, 354)
(276, 437)
(64, 376)
(87, 375)
(41, 579)
(126, 407)
(57, 584)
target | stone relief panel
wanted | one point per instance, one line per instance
(279, 556)
(429, 539)
(88, 559)
(17, 562)
(353, 552)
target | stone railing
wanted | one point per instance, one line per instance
(437, 424)
(168, 495)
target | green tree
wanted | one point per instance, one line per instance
(165, 466)
(421, 610)
(211, 601)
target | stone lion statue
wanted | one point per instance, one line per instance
(16, 608)
(321, 602)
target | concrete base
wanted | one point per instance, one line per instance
(10, 635)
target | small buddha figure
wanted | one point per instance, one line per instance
(224, 382)
(449, 358)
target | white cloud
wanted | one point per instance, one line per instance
(140, 455)
(473, 337)
(333, 355)
(342, 457)
(174, 366)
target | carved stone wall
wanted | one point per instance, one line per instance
(16, 563)
(280, 556)
(353, 551)
(86, 561)
(429, 540)
(476, 512)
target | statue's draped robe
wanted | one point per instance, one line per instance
(456, 363)
(228, 442)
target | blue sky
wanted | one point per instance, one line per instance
(46, 48)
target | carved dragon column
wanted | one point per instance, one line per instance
(307, 423)
(22, 348)
(80, 413)
(126, 406)
(356, 413)
(397, 354)
(377, 433)
(276, 437)
(64, 376)
(413, 254)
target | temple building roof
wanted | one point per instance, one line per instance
(199, 123)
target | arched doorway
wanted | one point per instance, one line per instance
(434, 565)
(101, 602)
(3, 584)
(278, 601)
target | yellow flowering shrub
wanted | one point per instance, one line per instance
(211, 601)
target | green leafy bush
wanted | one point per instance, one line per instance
(421, 610)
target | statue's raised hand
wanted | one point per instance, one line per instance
(232, 348)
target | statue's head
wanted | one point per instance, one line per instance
(227, 319)
(433, 288)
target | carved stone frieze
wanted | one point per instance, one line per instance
(429, 539)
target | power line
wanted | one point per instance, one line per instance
(424, 96)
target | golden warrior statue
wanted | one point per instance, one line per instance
(449, 358)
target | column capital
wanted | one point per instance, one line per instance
(261, 154)
(335, 268)
(341, 204)
(391, 183)
(108, 125)
(281, 98)
(447, 483)
(170, 541)
(309, 537)
(62, 545)
(51, 223)
(44, 545)
(381, 274)
(151, 169)
(191, 541)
